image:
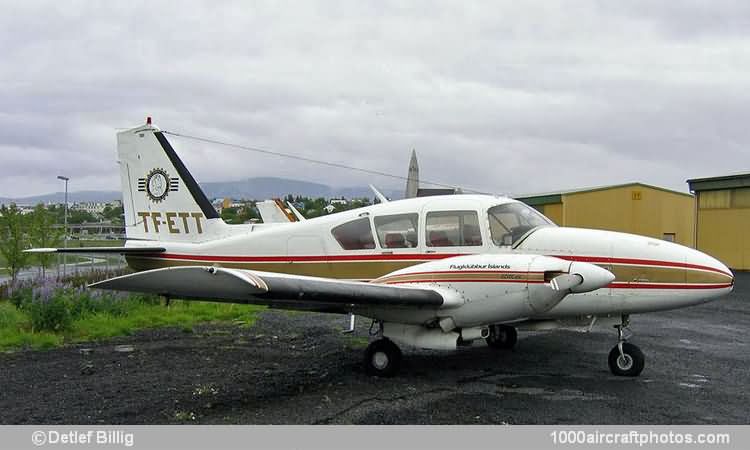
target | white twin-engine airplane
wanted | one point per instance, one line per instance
(431, 272)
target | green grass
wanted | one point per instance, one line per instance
(16, 333)
(356, 342)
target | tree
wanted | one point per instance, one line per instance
(44, 234)
(229, 215)
(13, 240)
(113, 213)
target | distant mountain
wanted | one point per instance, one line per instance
(59, 197)
(259, 188)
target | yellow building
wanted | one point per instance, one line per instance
(723, 218)
(631, 208)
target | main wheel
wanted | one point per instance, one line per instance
(502, 337)
(629, 364)
(382, 358)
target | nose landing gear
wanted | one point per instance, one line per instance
(625, 359)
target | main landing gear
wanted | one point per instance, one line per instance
(625, 359)
(382, 356)
(502, 337)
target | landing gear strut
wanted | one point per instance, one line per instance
(502, 337)
(625, 359)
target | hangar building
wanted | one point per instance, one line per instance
(631, 208)
(723, 218)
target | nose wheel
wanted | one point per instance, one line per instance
(625, 359)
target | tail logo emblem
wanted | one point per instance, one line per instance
(157, 185)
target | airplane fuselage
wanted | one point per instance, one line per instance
(650, 274)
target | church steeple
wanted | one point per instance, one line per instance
(412, 183)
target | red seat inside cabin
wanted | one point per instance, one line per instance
(439, 239)
(395, 240)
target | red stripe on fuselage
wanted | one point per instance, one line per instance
(668, 286)
(611, 285)
(460, 280)
(311, 258)
(421, 257)
(639, 262)
(464, 271)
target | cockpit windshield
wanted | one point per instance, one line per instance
(511, 221)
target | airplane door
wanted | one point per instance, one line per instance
(307, 256)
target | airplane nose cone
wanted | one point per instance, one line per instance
(719, 273)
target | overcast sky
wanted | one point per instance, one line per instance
(512, 97)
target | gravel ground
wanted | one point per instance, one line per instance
(296, 368)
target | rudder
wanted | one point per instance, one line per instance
(161, 199)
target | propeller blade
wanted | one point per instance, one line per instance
(565, 282)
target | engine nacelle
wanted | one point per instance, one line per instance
(485, 289)
(419, 336)
(562, 278)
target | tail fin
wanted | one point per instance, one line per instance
(273, 211)
(161, 199)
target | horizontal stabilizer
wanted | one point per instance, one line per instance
(116, 250)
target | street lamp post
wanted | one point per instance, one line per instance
(65, 225)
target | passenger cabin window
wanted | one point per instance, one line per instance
(354, 235)
(453, 229)
(511, 221)
(397, 231)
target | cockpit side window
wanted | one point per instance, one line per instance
(354, 235)
(511, 221)
(397, 231)
(453, 229)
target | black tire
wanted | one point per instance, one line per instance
(502, 337)
(633, 363)
(382, 358)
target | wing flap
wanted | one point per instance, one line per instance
(247, 286)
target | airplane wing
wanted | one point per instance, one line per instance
(273, 289)
(89, 250)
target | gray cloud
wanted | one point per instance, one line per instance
(502, 97)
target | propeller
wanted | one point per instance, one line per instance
(583, 277)
(567, 278)
(566, 282)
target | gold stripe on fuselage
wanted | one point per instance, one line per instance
(464, 276)
(348, 270)
(651, 274)
(371, 270)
